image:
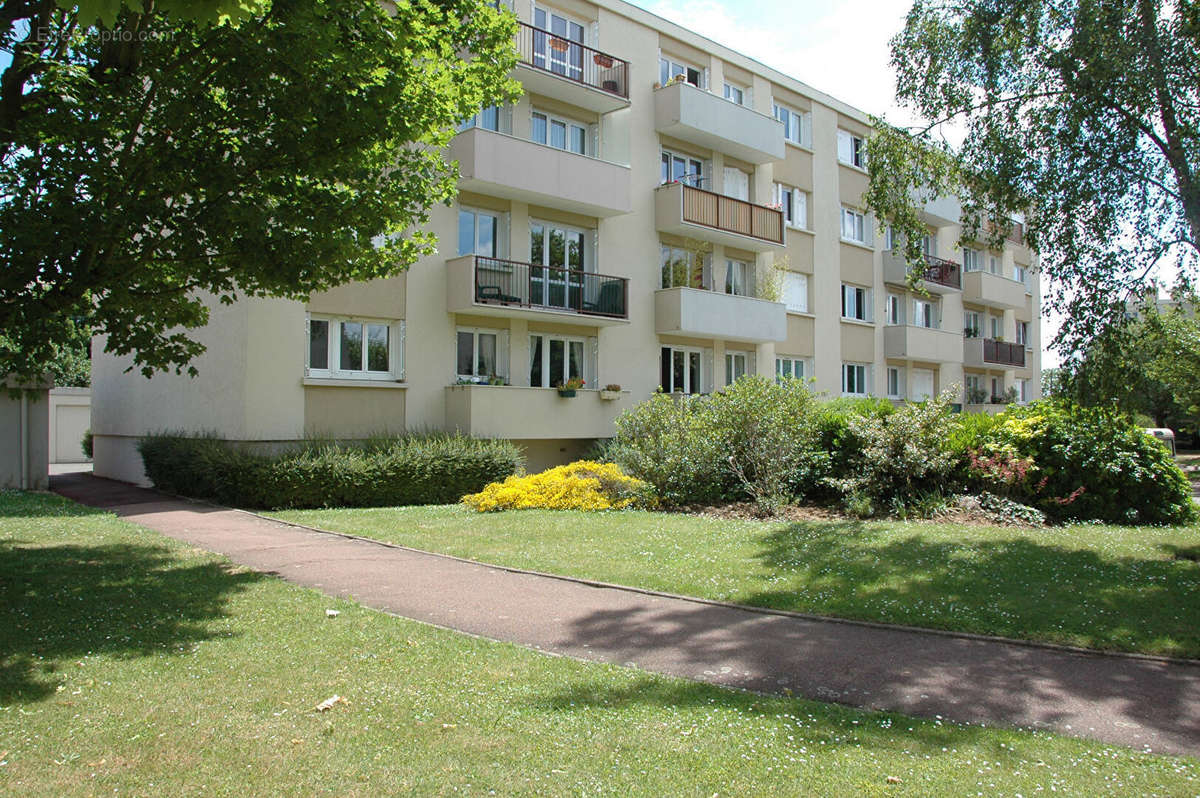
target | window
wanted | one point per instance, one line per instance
(975, 392)
(997, 326)
(894, 310)
(972, 324)
(855, 303)
(852, 149)
(669, 69)
(554, 359)
(791, 368)
(682, 268)
(680, 370)
(736, 183)
(677, 168)
(560, 52)
(925, 314)
(895, 382)
(735, 94)
(997, 388)
(795, 291)
(922, 385)
(797, 125)
(736, 366)
(794, 204)
(1021, 274)
(558, 254)
(477, 232)
(854, 379)
(559, 133)
(737, 277)
(1023, 333)
(854, 226)
(889, 238)
(488, 119)
(479, 353)
(353, 348)
(1023, 391)
(994, 264)
(972, 260)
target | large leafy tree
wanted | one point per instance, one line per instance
(167, 158)
(1081, 115)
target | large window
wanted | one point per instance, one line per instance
(488, 119)
(737, 365)
(894, 309)
(558, 254)
(1023, 333)
(854, 226)
(792, 367)
(559, 53)
(895, 382)
(854, 379)
(856, 303)
(972, 324)
(678, 168)
(797, 125)
(972, 260)
(1023, 393)
(478, 232)
(669, 69)
(682, 268)
(681, 370)
(794, 204)
(925, 314)
(852, 149)
(554, 359)
(737, 277)
(735, 94)
(1021, 274)
(354, 349)
(795, 291)
(922, 385)
(480, 354)
(559, 133)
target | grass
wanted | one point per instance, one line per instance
(130, 663)
(1118, 588)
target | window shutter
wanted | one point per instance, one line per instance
(748, 97)
(806, 129)
(593, 35)
(505, 119)
(502, 354)
(707, 377)
(845, 146)
(504, 225)
(801, 211)
(591, 365)
(594, 140)
(869, 230)
(399, 355)
(705, 78)
(307, 342)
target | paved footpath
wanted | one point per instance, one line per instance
(1139, 702)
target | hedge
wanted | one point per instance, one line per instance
(406, 470)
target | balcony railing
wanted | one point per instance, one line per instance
(943, 272)
(571, 60)
(1003, 353)
(732, 215)
(531, 285)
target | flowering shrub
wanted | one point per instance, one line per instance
(582, 485)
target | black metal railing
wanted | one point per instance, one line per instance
(572, 60)
(531, 285)
(1003, 353)
(943, 272)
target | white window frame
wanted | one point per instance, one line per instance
(739, 277)
(995, 264)
(854, 226)
(1023, 334)
(895, 374)
(567, 123)
(797, 125)
(862, 372)
(1023, 390)
(479, 119)
(973, 320)
(690, 178)
(972, 259)
(973, 383)
(732, 357)
(497, 220)
(927, 314)
(798, 290)
(856, 303)
(1021, 274)
(548, 379)
(995, 327)
(501, 356)
(794, 204)
(687, 368)
(337, 370)
(852, 149)
(670, 250)
(736, 94)
(894, 310)
(799, 368)
(668, 68)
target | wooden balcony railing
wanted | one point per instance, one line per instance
(1003, 353)
(732, 215)
(532, 285)
(943, 272)
(571, 60)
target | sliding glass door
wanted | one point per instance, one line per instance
(557, 256)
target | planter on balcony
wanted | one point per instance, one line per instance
(610, 396)
(566, 393)
(603, 61)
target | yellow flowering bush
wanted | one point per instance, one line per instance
(582, 485)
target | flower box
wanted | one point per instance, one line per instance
(602, 61)
(609, 396)
(566, 393)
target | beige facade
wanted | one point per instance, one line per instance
(569, 254)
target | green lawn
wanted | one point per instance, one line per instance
(133, 664)
(1102, 587)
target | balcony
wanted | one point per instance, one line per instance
(501, 165)
(513, 289)
(909, 342)
(571, 72)
(940, 277)
(504, 411)
(992, 289)
(687, 113)
(988, 352)
(697, 213)
(699, 313)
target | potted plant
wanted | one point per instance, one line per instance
(559, 45)
(603, 61)
(611, 392)
(567, 389)
(976, 396)
(971, 332)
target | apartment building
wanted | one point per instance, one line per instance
(657, 211)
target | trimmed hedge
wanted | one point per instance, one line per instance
(413, 469)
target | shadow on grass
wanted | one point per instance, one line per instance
(61, 602)
(1013, 587)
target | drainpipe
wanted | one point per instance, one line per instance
(24, 441)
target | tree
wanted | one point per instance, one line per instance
(1082, 115)
(294, 152)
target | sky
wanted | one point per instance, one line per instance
(839, 47)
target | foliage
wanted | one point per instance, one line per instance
(153, 168)
(87, 444)
(1095, 464)
(1083, 117)
(839, 436)
(70, 363)
(410, 469)
(582, 485)
(1007, 511)
(903, 460)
